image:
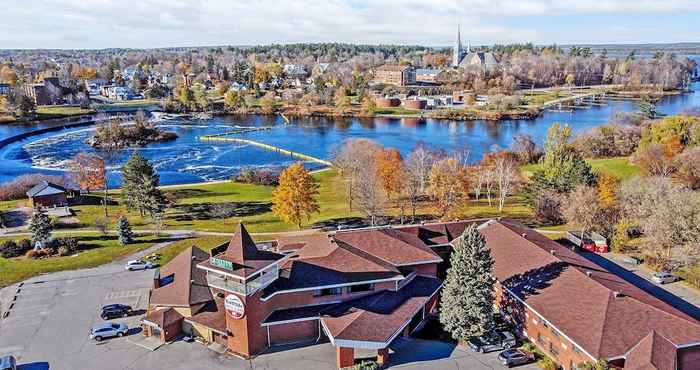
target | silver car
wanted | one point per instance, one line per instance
(138, 265)
(108, 330)
(663, 277)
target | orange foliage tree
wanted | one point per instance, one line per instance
(390, 170)
(88, 171)
(294, 199)
(607, 189)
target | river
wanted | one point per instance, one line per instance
(188, 159)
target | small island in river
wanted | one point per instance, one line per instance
(116, 134)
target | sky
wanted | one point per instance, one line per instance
(98, 24)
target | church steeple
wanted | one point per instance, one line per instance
(457, 51)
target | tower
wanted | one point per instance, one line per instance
(457, 51)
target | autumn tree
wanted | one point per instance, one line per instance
(448, 185)
(267, 102)
(294, 199)
(88, 171)
(607, 189)
(389, 167)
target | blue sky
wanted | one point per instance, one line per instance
(159, 23)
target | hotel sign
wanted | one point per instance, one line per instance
(218, 262)
(234, 306)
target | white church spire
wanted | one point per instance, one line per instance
(457, 51)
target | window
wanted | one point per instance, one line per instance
(327, 292)
(361, 288)
(541, 339)
(553, 350)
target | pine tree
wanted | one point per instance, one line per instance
(40, 227)
(467, 296)
(126, 236)
(140, 187)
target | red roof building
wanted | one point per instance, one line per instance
(363, 288)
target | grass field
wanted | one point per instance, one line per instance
(62, 111)
(619, 167)
(94, 251)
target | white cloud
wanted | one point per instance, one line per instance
(150, 23)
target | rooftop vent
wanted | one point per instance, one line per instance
(553, 252)
(220, 295)
(524, 235)
(589, 273)
(618, 294)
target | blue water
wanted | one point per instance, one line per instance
(187, 159)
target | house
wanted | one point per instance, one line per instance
(94, 85)
(45, 93)
(576, 311)
(427, 75)
(49, 195)
(4, 89)
(294, 71)
(391, 74)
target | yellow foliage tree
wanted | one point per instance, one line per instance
(294, 199)
(607, 189)
(389, 170)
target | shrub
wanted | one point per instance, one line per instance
(63, 251)
(10, 248)
(34, 253)
(366, 365)
(546, 363)
(68, 243)
(688, 167)
(547, 206)
(257, 177)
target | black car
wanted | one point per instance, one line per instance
(115, 310)
(515, 356)
(492, 341)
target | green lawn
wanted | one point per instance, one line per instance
(396, 110)
(206, 243)
(248, 203)
(95, 251)
(63, 111)
(619, 167)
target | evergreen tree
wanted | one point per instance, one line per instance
(40, 227)
(467, 296)
(140, 187)
(126, 236)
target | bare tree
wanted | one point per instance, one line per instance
(419, 163)
(448, 185)
(654, 160)
(506, 174)
(353, 159)
(581, 208)
(369, 196)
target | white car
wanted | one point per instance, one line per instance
(663, 277)
(138, 265)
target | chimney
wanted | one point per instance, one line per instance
(156, 279)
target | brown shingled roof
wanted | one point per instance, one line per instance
(212, 315)
(600, 311)
(244, 255)
(391, 245)
(163, 317)
(189, 284)
(654, 352)
(377, 317)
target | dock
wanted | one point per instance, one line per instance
(220, 137)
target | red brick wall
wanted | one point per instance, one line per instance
(294, 332)
(546, 337)
(689, 358)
